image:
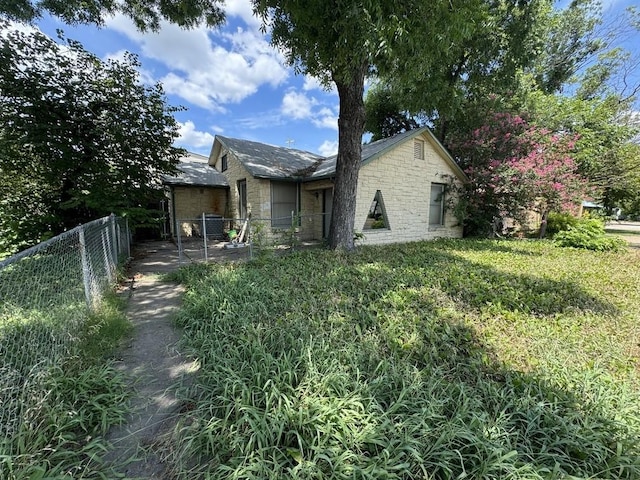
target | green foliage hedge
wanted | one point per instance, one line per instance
(560, 222)
(588, 233)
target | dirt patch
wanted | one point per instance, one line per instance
(152, 359)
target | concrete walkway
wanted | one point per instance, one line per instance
(630, 231)
(153, 361)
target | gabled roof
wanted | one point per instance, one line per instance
(196, 172)
(371, 151)
(268, 161)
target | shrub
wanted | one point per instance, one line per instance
(589, 233)
(560, 222)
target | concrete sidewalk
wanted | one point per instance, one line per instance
(153, 361)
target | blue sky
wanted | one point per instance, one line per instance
(230, 80)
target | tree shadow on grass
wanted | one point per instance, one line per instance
(316, 366)
(484, 420)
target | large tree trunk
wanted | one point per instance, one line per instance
(350, 131)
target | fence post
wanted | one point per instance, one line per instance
(116, 240)
(107, 253)
(204, 236)
(86, 271)
(126, 226)
(180, 252)
(250, 238)
(118, 235)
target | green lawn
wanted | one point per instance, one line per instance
(448, 359)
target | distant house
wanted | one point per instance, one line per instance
(402, 188)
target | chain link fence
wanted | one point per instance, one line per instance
(46, 293)
(213, 237)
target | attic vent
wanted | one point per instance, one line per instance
(377, 217)
(418, 149)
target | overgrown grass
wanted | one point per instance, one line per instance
(450, 359)
(59, 396)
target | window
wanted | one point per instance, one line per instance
(418, 149)
(242, 199)
(436, 204)
(225, 164)
(284, 203)
(377, 217)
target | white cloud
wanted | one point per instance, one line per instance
(259, 120)
(209, 69)
(118, 56)
(21, 27)
(297, 105)
(328, 148)
(189, 91)
(312, 83)
(326, 118)
(243, 10)
(193, 138)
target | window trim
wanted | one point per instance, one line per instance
(441, 204)
(379, 198)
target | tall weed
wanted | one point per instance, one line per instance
(59, 411)
(428, 360)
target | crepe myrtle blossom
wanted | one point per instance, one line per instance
(515, 168)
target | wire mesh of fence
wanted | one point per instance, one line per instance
(45, 295)
(213, 237)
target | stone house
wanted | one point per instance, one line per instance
(198, 188)
(402, 188)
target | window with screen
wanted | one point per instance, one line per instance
(284, 203)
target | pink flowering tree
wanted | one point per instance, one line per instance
(515, 168)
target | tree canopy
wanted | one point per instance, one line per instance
(344, 42)
(146, 14)
(562, 70)
(79, 138)
(516, 168)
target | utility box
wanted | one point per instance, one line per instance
(214, 225)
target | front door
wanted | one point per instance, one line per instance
(242, 199)
(327, 204)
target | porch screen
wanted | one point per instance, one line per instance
(284, 203)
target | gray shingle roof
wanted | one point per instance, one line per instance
(196, 172)
(268, 161)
